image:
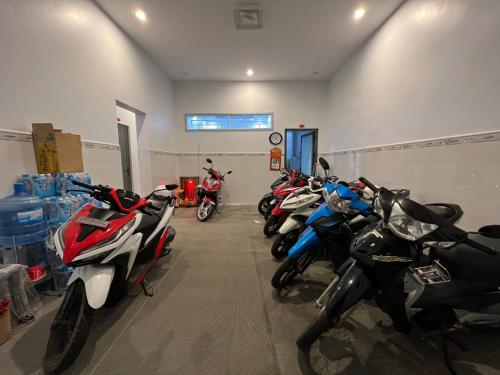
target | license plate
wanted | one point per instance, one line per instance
(94, 222)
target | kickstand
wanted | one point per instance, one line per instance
(448, 337)
(147, 290)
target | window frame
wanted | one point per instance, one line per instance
(228, 114)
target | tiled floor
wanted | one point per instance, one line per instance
(214, 312)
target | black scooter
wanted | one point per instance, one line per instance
(419, 268)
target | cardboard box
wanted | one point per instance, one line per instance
(56, 151)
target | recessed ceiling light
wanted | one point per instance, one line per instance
(249, 72)
(140, 15)
(359, 13)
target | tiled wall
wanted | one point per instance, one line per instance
(463, 170)
(250, 179)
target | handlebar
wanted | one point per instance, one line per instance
(369, 184)
(478, 246)
(83, 184)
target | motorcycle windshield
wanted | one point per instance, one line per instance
(308, 240)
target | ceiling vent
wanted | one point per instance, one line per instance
(248, 16)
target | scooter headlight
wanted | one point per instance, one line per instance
(338, 204)
(406, 227)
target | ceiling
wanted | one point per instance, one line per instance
(198, 40)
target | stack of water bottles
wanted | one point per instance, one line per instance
(59, 205)
(39, 205)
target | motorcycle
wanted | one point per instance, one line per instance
(296, 179)
(328, 234)
(420, 269)
(208, 192)
(301, 204)
(103, 245)
(268, 197)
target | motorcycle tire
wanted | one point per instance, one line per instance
(69, 331)
(267, 214)
(285, 274)
(271, 226)
(313, 332)
(209, 212)
(263, 206)
(284, 243)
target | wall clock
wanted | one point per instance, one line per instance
(275, 138)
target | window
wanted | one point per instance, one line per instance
(229, 121)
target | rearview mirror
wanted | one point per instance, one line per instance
(209, 161)
(324, 164)
(229, 172)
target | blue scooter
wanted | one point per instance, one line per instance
(328, 233)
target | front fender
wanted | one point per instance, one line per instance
(290, 224)
(209, 200)
(97, 280)
(353, 286)
(306, 242)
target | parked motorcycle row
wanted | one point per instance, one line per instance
(410, 258)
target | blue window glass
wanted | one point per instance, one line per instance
(254, 121)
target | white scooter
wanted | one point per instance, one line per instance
(303, 203)
(102, 245)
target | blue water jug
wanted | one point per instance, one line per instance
(21, 218)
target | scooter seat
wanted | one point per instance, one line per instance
(471, 264)
(149, 222)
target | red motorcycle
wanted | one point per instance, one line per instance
(209, 191)
(277, 216)
(280, 192)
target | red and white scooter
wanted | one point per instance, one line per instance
(209, 191)
(102, 245)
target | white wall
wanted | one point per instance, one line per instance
(67, 63)
(293, 103)
(432, 71)
(245, 152)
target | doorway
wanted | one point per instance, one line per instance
(124, 141)
(301, 148)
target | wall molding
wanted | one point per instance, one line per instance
(24, 136)
(199, 154)
(493, 136)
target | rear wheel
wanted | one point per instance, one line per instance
(271, 226)
(263, 206)
(205, 211)
(283, 243)
(70, 329)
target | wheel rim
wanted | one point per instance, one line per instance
(203, 210)
(289, 275)
(272, 227)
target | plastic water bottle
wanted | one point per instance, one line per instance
(22, 228)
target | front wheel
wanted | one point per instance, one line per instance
(205, 211)
(271, 226)
(70, 329)
(263, 206)
(284, 243)
(313, 332)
